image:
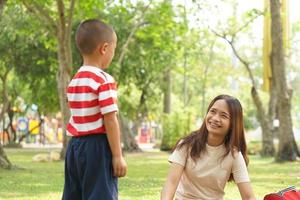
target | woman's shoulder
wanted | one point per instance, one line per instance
(180, 145)
(235, 153)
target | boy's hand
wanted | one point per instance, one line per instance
(113, 135)
(120, 166)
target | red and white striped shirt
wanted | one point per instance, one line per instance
(91, 93)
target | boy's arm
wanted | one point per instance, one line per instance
(113, 135)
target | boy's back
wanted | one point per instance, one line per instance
(91, 94)
(94, 157)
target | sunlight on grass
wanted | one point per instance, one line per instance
(146, 174)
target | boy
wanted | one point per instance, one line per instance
(94, 157)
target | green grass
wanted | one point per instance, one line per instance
(146, 175)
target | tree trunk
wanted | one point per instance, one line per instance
(65, 64)
(185, 79)
(167, 89)
(128, 140)
(204, 78)
(4, 94)
(2, 4)
(127, 137)
(286, 151)
(167, 92)
(142, 110)
(4, 162)
(60, 28)
(267, 136)
(271, 117)
(10, 126)
(129, 143)
(63, 79)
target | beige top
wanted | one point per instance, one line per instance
(206, 178)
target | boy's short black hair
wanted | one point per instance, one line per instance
(90, 33)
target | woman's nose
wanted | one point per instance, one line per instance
(216, 117)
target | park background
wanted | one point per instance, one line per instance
(172, 58)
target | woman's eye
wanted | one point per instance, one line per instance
(225, 116)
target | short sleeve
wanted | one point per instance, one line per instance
(239, 169)
(108, 96)
(179, 156)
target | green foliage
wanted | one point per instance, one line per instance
(129, 98)
(166, 38)
(254, 147)
(175, 126)
(28, 50)
(150, 51)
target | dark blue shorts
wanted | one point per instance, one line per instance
(88, 170)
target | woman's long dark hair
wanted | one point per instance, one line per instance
(234, 140)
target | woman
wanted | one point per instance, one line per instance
(204, 161)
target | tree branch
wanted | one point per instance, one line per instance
(61, 16)
(231, 43)
(242, 60)
(133, 30)
(39, 11)
(70, 17)
(247, 23)
(2, 4)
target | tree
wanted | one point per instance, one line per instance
(287, 150)
(129, 143)
(265, 118)
(279, 96)
(60, 25)
(4, 161)
(28, 57)
(14, 44)
(148, 55)
(147, 49)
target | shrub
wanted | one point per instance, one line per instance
(174, 126)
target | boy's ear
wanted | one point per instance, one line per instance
(103, 48)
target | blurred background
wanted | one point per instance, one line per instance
(172, 58)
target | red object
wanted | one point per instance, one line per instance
(290, 193)
(92, 93)
(143, 139)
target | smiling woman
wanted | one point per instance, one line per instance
(205, 160)
(217, 122)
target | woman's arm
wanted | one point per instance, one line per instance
(171, 184)
(246, 191)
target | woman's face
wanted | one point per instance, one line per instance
(217, 119)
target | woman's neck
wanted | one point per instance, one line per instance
(214, 141)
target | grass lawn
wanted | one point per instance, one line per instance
(146, 175)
